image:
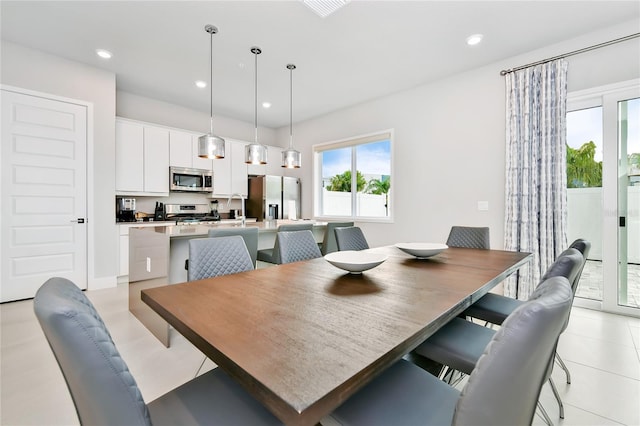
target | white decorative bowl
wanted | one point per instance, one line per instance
(355, 261)
(422, 250)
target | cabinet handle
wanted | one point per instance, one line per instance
(78, 220)
(148, 264)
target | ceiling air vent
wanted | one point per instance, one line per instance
(325, 8)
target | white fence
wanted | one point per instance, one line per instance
(585, 219)
(339, 204)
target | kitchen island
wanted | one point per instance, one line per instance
(157, 256)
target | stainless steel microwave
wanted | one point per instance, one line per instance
(190, 180)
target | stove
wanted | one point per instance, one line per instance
(190, 214)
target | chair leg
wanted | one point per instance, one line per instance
(557, 395)
(544, 414)
(564, 367)
(201, 365)
(444, 372)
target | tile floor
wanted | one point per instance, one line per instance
(602, 351)
(591, 282)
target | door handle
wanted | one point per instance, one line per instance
(623, 221)
(78, 220)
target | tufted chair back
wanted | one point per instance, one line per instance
(249, 234)
(469, 237)
(297, 245)
(211, 257)
(351, 238)
(103, 390)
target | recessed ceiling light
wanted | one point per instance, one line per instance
(472, 40)
(201, 84)
(266, 105)
(104, 54)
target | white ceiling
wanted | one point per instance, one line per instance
(363, 51)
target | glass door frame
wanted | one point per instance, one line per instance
(608, 97)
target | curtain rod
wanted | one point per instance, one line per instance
(575, 52)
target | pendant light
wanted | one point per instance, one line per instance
(290, 157)
(210, 145)
(256, 153)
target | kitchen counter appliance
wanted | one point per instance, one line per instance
(183, 179)
(125, 209)
(190, 214)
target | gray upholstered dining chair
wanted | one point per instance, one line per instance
(494, 308)
(351, 238)
(295, 246)
(211, 257)
(329, 244)
(459, 344)
(502, 389)
(249, 234)
(103, 389)
(469, 237)
(272, 255)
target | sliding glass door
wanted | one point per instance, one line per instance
(603, 179)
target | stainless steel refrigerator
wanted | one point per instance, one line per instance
(277, 197)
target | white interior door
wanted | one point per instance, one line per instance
(43, 230)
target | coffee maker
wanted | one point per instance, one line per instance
(125, 209)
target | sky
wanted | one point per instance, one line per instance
(373, 159)
(586, 125)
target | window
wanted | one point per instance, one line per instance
(362, 163)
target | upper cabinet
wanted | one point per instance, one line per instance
(145, 151)
(183, 151)
(142, 159)
(274, 159)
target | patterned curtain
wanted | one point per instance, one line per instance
(536, 177)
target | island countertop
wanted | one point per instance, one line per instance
(190, 231)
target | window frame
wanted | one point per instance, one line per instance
(352, 142)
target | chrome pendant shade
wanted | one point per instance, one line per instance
(256, 153)
(210, 145)
(290, 157)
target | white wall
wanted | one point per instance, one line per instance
(35, 70)
(150, 110)
(450, 139)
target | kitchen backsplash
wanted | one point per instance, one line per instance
(148, 204)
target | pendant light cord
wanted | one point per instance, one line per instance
(256, 97)
(290, 107)
(211, 80)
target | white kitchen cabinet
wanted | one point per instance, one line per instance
(222, 173)
(142, 159)
(156, 160)
(238, 169)
(183, 151)
(129, 155)
(230, 173)
(273, 166)
(180, 149)
(201, 163)
(123, 262)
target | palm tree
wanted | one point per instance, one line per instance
(342, 182)
(377, 186)
(582, 169)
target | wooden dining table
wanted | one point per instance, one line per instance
(303, 337)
